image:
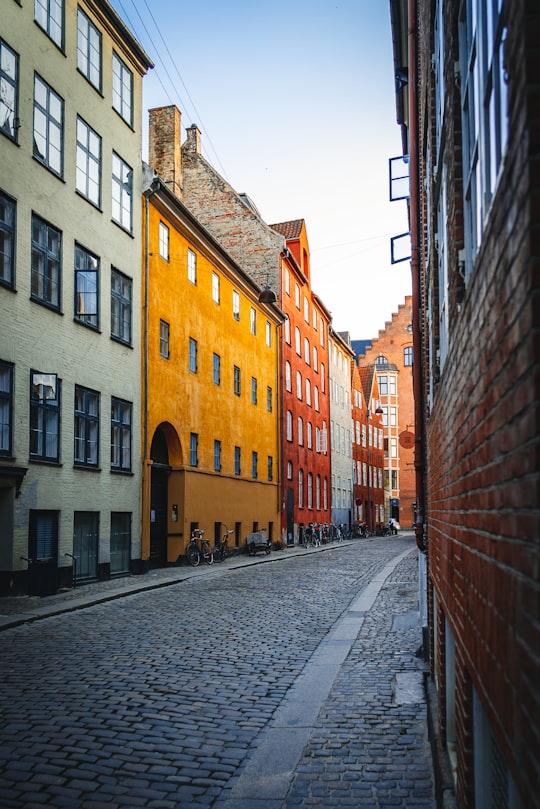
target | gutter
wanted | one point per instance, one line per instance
(414, 214)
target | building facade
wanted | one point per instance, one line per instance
(468, 111)
(305, 390)
(211, 409)
(340, 361)
(70, 146)
(367, 449)
(391, 353)
(266, 254)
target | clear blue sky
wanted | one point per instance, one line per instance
(295, 102)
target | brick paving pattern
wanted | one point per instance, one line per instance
(158, 699)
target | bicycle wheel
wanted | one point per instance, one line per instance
(207, 553)
(193, 555)
(224, 550)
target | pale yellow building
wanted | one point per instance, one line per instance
(211, 411)
(70, 294)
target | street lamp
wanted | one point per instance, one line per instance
(378, 412)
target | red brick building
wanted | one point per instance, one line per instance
(468, 101)
(391, 354)
(367, 448)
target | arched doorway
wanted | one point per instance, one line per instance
(161, 470)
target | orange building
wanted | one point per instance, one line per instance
(306, 400)
(392, 355)
(210, 388)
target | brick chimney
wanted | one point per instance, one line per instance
(193, 142)
(164, 147)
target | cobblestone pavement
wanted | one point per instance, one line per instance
(171, 697)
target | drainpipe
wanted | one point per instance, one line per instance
(147, 193)
(414, 213)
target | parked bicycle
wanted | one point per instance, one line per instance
(222, 550)
(199, 549)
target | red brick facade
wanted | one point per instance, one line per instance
(475, 187)
(391, 354)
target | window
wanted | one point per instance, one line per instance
(253, 320)
(7, 240)
(308, 392)
(288, 380)
(309, 435)
(314, 321)
(318, 492)
(48, 126)
(393, 448)
(289, 425)
(44, 417)
(215, 287)
(216, 369)
(254, 463)
(120, 542)
(122, 193)
(300, 488)
(394, 479)
(121, 294)
(297, 296)
(484, 107)
(253, 390)
(237, 457)
(383, 385)
(289, 470)
(122, 89)
(393, 416)
(192, 266)
(287, 281)
(408, 356)
(45, 272)
(86, 427)
(316, 398)
(287, 327)
(121, 435)
(299, 385)
(323, 378)
(270, 468)
(88, 49)
(268, 334)
(49, 15)
(86, 287)
(9, 81)
(300, 432)
(306, 310)
(298, 341)
(88, 165)
(237, 381)
(310, 490)
(315, 359)
(236, 305)
(164, 241)
(193, 355)
(269, 403)
(164, 339)
(381, 361)
(193, 449)
(43, 535)
(6, 408)
(307, 353)
(217, 456)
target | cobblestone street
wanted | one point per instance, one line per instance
(292, 682)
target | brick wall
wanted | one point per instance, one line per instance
(483, 442)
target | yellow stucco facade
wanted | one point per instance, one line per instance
(210, 432)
